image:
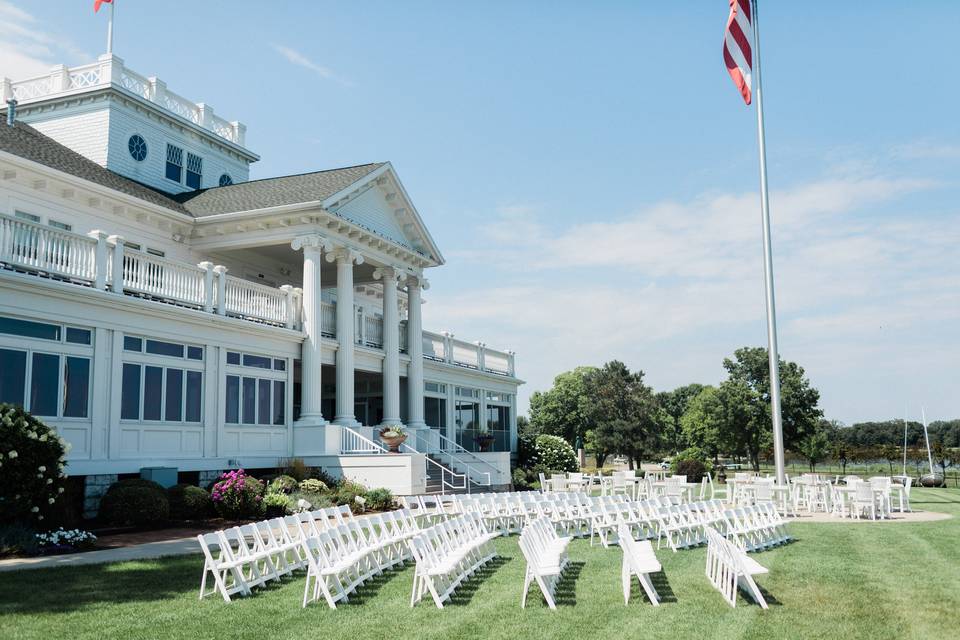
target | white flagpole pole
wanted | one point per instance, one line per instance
(772, 351)
(110, 29)
(904, 440)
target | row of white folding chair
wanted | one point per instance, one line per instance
(447, 554)
(729, 567)
(249, 555)
(546, 556)
(340, 556)
(755, 527)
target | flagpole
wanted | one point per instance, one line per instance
(772, 352)
(110, 29)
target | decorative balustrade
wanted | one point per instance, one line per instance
(110, 70)
(328, 320)
(171, 281)
(373, 331)
(44, 249)
(254, 301)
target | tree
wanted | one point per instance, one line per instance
(747, 390)
(890, 452)
(675, 404)
(523, 425)
(705, 423)
(815, 448)
(623, 412)
(561, 410)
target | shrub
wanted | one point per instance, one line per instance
(17, 539)
(188, 502)
(317, 473)
(316, 500)
(276, 505)
(133, 502)
(283, 484)
(379, 499)
(347, 493)
(527, 479)
(237, 495)
(32, 458)
(297, 469)
(693, 469)
(311, 485)
(556, 454)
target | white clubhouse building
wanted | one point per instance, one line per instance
(161, 310)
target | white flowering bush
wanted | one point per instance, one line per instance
(32, 461)
(64, 540)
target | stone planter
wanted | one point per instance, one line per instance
(394, 443)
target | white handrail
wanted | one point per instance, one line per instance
(42, 248)
(247, 299)
(430, 449)
(444, 471)
(461, 450)
(155, 276)
(353, 442)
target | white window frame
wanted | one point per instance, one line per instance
(62, 350)
(258, 374)
(145, 359)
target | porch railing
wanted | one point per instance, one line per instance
(161, 278)
(254, 301)
(47, 250)
(355, 443)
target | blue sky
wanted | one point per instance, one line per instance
(590, 171)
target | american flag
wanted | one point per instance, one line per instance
(736, 47)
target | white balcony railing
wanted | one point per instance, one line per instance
(110, 70)
(47, 250)
(176, 282)
(254, 301)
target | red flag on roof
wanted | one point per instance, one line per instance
(736, 47)
(97, 3)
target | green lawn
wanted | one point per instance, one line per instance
(836, 581)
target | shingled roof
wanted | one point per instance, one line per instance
(25, 141)
(273, 192)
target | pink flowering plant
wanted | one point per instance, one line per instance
(237, 495)
(32, 462)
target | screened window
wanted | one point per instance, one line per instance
(194, 171)
(29, 217)
(13, 376)
(76, 387)
(29, 329)
(174, 163)
(259, 362)
(78, 336)
(169, 394)
(255, 401)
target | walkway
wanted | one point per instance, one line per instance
(175, 547)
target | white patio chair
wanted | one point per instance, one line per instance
(864, 500)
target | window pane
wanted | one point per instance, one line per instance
(280, 365)
(173, 411)
(194, 393)
(29, 329)
(165, 348)
(44, 384)
(279, 402)
(130, 396)
(256, 361)
(193, 180)
(195, 353)
(78, 336)
(152, 392)
(13, 375)
(249, 400)
(76, 391)
(132, 344)
(233, 357)
(233, 399)
(263, 402)
(173, 172)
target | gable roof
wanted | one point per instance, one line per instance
(273, 192)
(26, 142)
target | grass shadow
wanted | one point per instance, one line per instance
(372, 587)
(566, 591)
(660, 584)
(467, 589)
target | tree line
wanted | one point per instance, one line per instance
(612, 411)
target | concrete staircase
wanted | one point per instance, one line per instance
(435, 483)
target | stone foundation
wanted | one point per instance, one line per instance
(206, 477)
(94, 488)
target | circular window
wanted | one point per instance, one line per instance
(137, 147)
(225, 179)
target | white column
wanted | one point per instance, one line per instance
(346, 321)
(310, 407)
(391, 344)
(415, 350)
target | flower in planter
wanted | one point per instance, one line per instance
(392, 432)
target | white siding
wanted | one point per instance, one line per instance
(82, 129)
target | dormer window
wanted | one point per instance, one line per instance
(194, 171)
(174, 163)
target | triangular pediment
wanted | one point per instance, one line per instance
(378, 202)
